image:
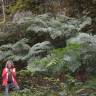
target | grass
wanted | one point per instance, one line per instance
(10, 94)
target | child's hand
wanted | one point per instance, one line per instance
(11, 70)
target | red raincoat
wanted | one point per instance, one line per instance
(5, 76)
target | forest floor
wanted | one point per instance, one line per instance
(88, 86)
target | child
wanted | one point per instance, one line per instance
(9, 77)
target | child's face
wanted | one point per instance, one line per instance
(9, 65)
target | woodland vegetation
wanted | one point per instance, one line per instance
(52, 44)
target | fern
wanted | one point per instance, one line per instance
(56, 63)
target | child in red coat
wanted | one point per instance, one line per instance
(9, 77)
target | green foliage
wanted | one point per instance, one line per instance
(91, 83)
(61, 60)
(34, 92)
(37, 65)
(88, 50)
(15, 51)
(21, 48)
(70, 87)
(55, 62)
(25, 5)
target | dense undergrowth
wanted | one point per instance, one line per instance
(53, 56)
(60, 64)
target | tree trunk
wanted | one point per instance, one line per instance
(3, 8)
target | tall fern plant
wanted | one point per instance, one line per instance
(56, 62)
